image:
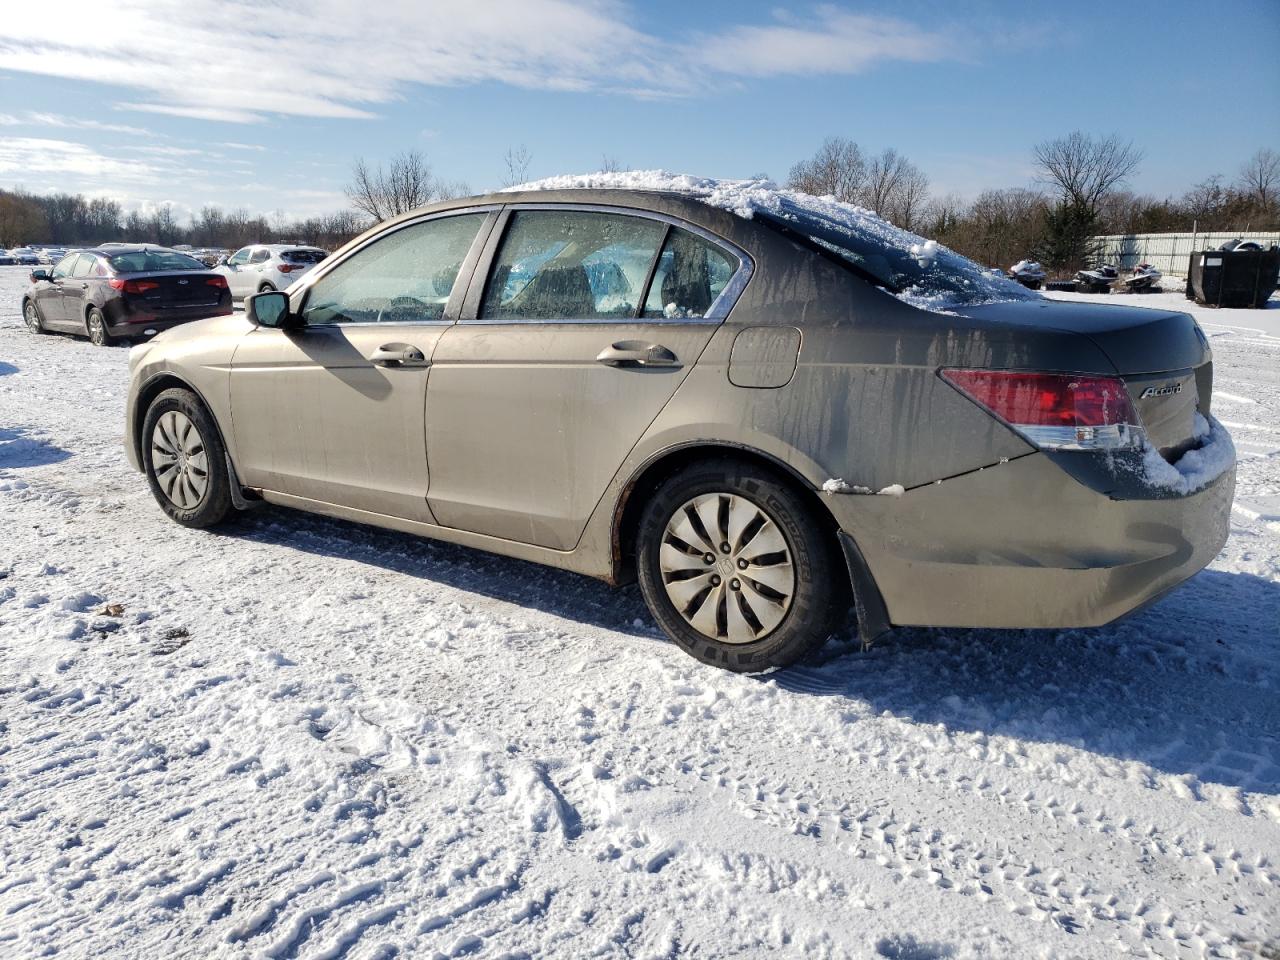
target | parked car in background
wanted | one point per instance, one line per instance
(6, 258)
(268, 266)
(25, 256)
(123, 292)
(51, 255)
(761, 416)
(211, 256)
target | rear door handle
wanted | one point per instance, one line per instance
(637, 353)
(399, 355)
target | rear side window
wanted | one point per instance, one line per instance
(691, 275)
(260, 256)
(153, 261)
(404, 277)
(84, 266)
(571, 265)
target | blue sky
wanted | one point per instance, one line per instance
(266, 105)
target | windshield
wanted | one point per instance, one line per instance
(919, 271)
(151, 261)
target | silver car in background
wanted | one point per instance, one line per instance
(267, 266)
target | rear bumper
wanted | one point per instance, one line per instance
(1026, 545)
(127, 320)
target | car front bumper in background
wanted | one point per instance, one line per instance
(1026, 545)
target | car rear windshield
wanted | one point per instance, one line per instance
(153, 261)
(303, 256)
(919, 271)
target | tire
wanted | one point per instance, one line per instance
(185, 461)
(265, 287)
(95, 325)
(31, 314)
(690, 595)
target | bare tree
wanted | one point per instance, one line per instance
(1260, 178)
(838, 169)
(518, 160)
(611, 164)
(405, 184)
(1084, 169)
(885, 174)
(906, 204)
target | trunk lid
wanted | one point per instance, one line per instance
(1162, 356)
(175, 289)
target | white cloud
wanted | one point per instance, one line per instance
(831, 41)
(22, 157)
(235, 61)
(235, 145)
(35, 119)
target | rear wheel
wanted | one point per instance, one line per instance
(185, 461)
(266, 287)
(96, 324)
(736, 568)
(32, 316)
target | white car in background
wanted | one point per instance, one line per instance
(267, 266)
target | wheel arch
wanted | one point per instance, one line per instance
(626, 518)
(157, 385)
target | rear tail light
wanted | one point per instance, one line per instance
(218, 281)
(133, 286)
(1056, 411)
(290, 267)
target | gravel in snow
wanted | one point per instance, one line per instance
(304, 738)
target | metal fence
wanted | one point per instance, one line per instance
(1169, 253)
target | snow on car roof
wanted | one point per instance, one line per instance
(966, 282)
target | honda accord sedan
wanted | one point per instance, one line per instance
(770, 409)
(123, 292)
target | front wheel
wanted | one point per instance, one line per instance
(736, 568)
(96, 324)
(184, 460)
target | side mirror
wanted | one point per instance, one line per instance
(270, 309)
(39, 275)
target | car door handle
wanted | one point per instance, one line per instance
(399, 355)
(637, 353)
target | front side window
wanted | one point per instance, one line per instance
(571, 265)
(691, 275)
(64, 267)
(240, 257)
(404, 277)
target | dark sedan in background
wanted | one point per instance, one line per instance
(123, 292)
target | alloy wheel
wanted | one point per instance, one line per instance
(97, 329)
(727, 568)
(32, 317)
(178, 460)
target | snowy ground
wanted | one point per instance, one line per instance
(303, 738)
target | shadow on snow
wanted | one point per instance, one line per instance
(18, 449)
(1188, 686)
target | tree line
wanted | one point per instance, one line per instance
(1080, 191)
(65, 219)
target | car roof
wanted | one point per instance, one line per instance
(672, 203)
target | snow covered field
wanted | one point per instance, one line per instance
(303, 738)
